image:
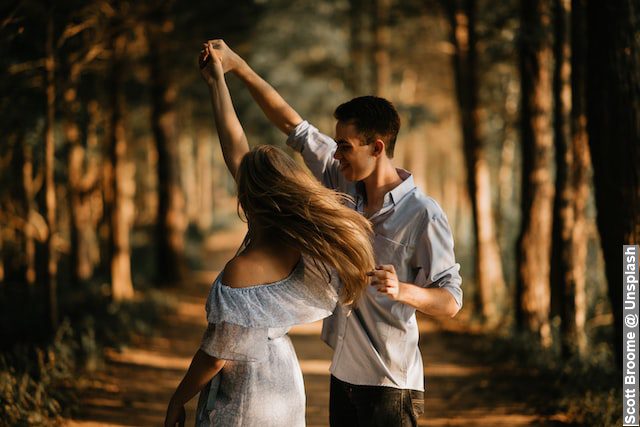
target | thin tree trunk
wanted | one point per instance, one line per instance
(489, 275)
(50, 260)
(204, 162)
(613, 110)
(81, 182)
(27, 201)
(171, 220)
(74, 165)
(534, 243)
(121, 284)
(2, 274)
(563, 199)
(576, 312)
(382, 40)
(572, 162)
(361, 72)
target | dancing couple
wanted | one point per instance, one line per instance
(357, 245)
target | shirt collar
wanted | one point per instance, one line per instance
(396, 194)
(404, 187)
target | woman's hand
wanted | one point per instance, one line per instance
(210, 64)
(175, 415)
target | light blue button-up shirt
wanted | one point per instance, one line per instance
(377, 343)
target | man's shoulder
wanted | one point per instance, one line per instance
(424, 204)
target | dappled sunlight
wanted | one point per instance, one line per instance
(436, 369)
(315, 367)
(148, 359)
(482, 419)
(309, 329)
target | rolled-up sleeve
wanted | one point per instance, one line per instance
(435, 258)
(317, 150)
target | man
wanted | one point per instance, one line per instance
(376, 371)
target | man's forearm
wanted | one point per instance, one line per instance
(431, 301)
(277, 110)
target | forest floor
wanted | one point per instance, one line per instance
(135, 385)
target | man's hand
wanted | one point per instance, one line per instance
(231, 61)
(384, 278)
(210, 64)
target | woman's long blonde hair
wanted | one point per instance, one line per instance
(278, 195)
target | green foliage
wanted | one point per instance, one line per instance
(39, 382)
(36, 383)
(587, 389)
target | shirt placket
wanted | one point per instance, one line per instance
(344, 313)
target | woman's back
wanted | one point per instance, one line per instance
(249, 316)
(260, 264)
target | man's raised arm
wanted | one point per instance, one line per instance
(272, 104)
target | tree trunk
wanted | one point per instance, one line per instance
(382, 40)
(74, 165)
(2, 274)
(534, 242)
(28, 209)
(563, 198)
(489, 275)
(50, 259)
(171, 220)
(121, 284)
(204, 165)
(361, 72)
(81, 182)
(613, 111)
(572, 163)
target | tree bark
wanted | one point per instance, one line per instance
(534, 242)
(572, 167)
(488, 266)
(25, 194)
(613, 111)
(382, 40)
(74, 166)
(120, 215)
(50, 258)
(361, 72)
(171, 219)
(204, 164)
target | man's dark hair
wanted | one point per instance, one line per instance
(374, 117)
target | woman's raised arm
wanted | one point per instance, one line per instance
(233, 140)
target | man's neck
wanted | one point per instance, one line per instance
(383, 179)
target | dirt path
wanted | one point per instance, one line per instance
(137, 382)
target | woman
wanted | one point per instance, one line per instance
(246, 366)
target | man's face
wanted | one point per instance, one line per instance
(356, 158)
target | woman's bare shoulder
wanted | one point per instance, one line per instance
(242, 271)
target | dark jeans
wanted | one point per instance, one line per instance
(373, 406)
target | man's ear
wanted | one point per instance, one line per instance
(378, 147)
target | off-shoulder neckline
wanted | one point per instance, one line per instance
(262, 285)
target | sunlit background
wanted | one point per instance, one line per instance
(117, 211)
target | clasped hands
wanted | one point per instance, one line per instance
(224, 59)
